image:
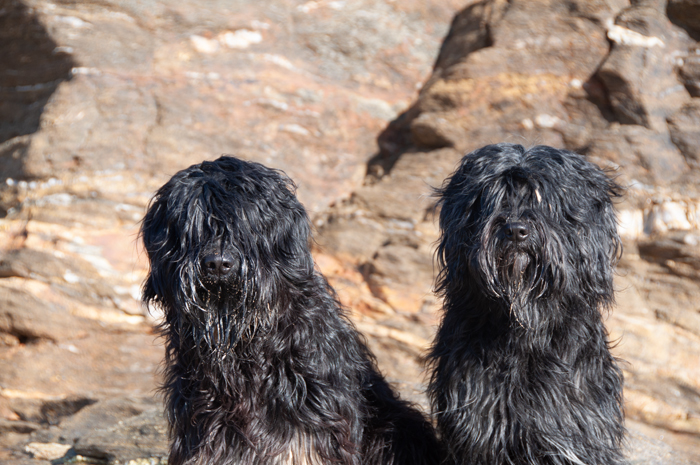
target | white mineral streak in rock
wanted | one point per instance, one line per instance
(72, 21)
(667, 216)
(62, 49)
(242, 38)
(623, 36)
(694, 213)
(71, 277)
(255, 24)
(85, 71)
(278, 60)
(204, 45)
(630, 223)
(307, 7)
(62, 199)
(271, 103)
(93, 255)
(195, 75)
(546, 121)
(376, 108)
(47, 451)
(70, 348)
(133, 291)
(692, 240)
(294, 129)
(313, 5)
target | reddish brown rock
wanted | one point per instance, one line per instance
(644, 41)
(684, 126)
(685, 13)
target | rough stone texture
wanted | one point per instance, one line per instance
(689, 74)
(685, 131)
(47, 451)
(639, 70)
(138, 437)
(101, 102)
(642, 450)
(306, 96)
(25, 318)
(33, 69)
(687, 14)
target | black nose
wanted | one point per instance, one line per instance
(516, 232)
(218, 265)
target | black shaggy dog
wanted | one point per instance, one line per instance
(522, 372)
(262, 366)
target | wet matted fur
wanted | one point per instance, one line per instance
(262, 365)
(522, 371)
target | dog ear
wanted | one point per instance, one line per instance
(164, 242)
(600, 244)
(291, 235)
(459, 204)
(153, 233)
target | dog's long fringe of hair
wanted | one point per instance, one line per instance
(262, 367)
(521, 367)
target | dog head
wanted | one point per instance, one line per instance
(223, 237)
(519, 225)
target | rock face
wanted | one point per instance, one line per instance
(101, 102)
(303, 87)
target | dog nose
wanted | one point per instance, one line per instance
(218, 265)
(516, 232)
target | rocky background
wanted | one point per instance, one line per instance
(366, 104)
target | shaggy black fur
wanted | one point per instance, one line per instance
(522, 372)
(262, 365)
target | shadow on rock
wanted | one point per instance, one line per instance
(32, 68)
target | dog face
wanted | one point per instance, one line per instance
(220, 236)
(520, 225)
